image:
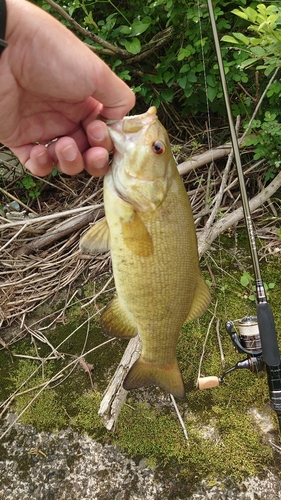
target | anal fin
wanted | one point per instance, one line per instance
(116, 322)
(200, 301)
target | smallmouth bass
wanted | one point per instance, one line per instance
(149, 228)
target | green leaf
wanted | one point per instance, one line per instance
(229, 39)
(248, 62)
(133, 46)
(211, 80)
(125, 30)
(182, 81)
(242, 38)
(188, 90)
(211, 92)
(191, 77)
(156, 102)
(270, 68)
(125, 75)
(168, 77)
(167, 95)
(185, 52)
(259, 51)
(139, 27)
(251, 13)
(239, 13)
(244, 280)
(185, 68)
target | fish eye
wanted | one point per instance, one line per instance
(158, 147)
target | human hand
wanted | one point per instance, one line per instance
(52, 85)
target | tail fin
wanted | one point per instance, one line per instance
(168, 377)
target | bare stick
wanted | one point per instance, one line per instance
(221, 191)
(232, 218)
(115, 395)
(205, 341)
(45, 218)
(219, 342)
(179, 416)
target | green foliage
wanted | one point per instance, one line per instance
(267, 142)
(265, 46)
(164, 49)
(263, 50)
(247, 281)
(86, 417)
(152, 435)
(32, 187)
(46, 412)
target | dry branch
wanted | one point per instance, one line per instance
(231, 219)
(61, 230)
(204, 159)
(115, 395)
(155, 43)
(112, 49)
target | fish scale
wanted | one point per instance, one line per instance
(150, 230)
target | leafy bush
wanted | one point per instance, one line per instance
(264, 52)
(265, 47)
(164, 49)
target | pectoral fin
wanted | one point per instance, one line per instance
(97, 239)
(201, 300)
(136, 237)
(116, 322)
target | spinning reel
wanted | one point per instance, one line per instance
(246, 340)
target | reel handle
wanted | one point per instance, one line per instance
(208, 382)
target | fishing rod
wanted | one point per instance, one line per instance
(263, 328)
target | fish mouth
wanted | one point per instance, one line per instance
(135, 122)
(131, 184)
(129, 128)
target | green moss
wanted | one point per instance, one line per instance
(224, 440)
(46, 411)
(86, 414)
(235, 450)
(145, 432)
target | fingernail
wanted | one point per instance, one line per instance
(42, 158)
(97, 133)
(69, 153)
(100, 163)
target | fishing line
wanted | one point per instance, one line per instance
(211, 173)
(209, 131)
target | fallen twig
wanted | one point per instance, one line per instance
(205, 341)
(179, 417)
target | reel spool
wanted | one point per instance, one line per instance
(246, 340)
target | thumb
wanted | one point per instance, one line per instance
(114, 95)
